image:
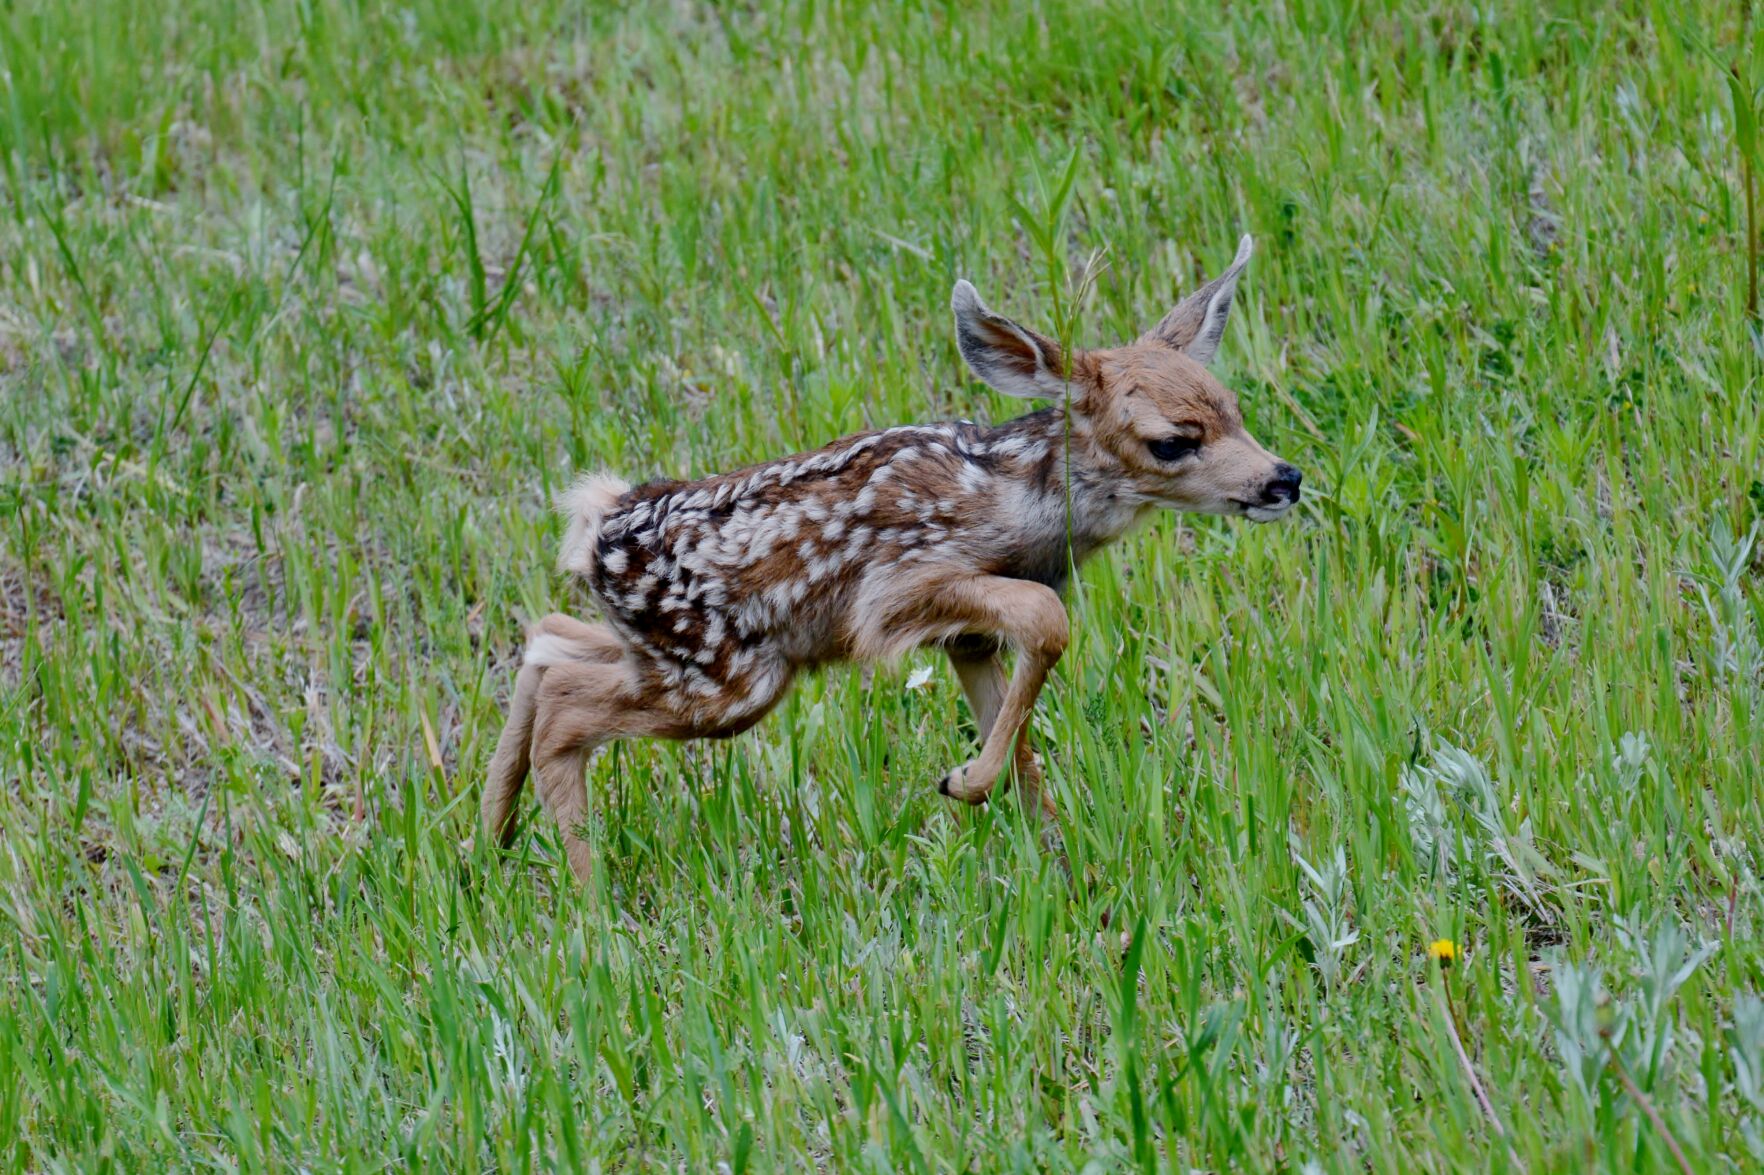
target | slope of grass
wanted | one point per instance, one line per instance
(306, 308)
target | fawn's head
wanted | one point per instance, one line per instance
(1149, 413)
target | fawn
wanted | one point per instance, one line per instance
(717, 592)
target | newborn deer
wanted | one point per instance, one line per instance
(718, 592)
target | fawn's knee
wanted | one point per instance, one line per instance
(1046, 628)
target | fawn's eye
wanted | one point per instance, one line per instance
(1172, 448)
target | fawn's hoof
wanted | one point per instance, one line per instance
(958, 786)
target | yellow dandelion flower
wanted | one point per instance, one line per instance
(1443, 951)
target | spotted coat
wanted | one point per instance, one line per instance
(725, 586)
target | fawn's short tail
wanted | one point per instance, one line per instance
(585, 506)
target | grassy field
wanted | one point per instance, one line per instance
(307, 307)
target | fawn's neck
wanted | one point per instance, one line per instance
(1071, 499)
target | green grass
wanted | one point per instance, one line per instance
(306, 308)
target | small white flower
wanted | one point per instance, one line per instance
(919, 678)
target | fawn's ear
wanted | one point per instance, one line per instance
(1014, 359)
(1197, 323)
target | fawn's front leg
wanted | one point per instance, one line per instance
(978, 668)
(1029, 616)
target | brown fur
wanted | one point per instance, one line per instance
(718, 592)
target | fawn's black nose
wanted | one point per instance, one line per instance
(1284, 486)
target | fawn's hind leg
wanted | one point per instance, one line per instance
(978, 668)
(581, 706)
(555, 639)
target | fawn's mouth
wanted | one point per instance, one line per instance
(1260, 511)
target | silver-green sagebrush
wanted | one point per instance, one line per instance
(306, 310)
